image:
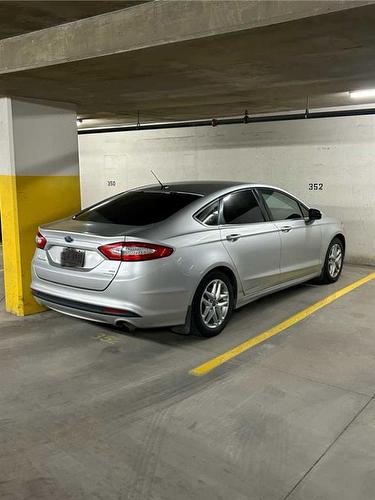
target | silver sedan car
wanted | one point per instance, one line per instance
(183, 254)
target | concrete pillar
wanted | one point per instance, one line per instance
(39, 182)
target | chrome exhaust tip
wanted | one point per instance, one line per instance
(125, 325)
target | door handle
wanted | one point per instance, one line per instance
(286, 229)
(233, 237)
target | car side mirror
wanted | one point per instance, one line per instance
(314, 214)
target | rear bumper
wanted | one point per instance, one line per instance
(90, 316)
(142, 301)
(82, 306)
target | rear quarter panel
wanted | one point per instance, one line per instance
(197, 253)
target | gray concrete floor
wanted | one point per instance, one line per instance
(88, 412)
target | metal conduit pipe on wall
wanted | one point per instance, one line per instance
(301, 115)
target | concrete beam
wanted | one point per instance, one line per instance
(152, 24)
(23, 16)
(265, 69)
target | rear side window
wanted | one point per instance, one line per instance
(210, 214)
(241, 207)
(281, 206)
(138, 208)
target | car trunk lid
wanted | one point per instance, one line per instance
(71, 256)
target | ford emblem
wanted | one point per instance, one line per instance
(68, 239)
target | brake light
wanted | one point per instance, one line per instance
(134, 251)
(40, 240)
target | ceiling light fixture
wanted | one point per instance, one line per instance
(362, 94)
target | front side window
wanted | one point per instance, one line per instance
(281, 206)
(137, 208)
(241, 207)
(305, 211)
(210, 214)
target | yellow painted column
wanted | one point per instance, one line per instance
(39, 182)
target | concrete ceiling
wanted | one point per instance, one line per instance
(22, 17)
(263, 69)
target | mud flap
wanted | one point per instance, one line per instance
(186, 328)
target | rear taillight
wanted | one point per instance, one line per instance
(40, 240)
(134, 251)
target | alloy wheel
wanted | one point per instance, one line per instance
(334, 260)
(214, 304)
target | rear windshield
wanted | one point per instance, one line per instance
(137, 208)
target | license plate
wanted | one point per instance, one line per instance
(70, 257)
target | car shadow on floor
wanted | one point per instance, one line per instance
(262, 305)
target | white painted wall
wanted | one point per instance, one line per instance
(7, 166)
(45, 138)
(338, 152)
(37, 138)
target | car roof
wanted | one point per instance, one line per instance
(196, 187)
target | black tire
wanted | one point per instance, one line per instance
(327, 276)
(198, 327)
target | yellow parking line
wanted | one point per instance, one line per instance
(232, 353)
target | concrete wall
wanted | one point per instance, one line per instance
(337, 152)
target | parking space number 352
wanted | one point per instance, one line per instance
(316, 186)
